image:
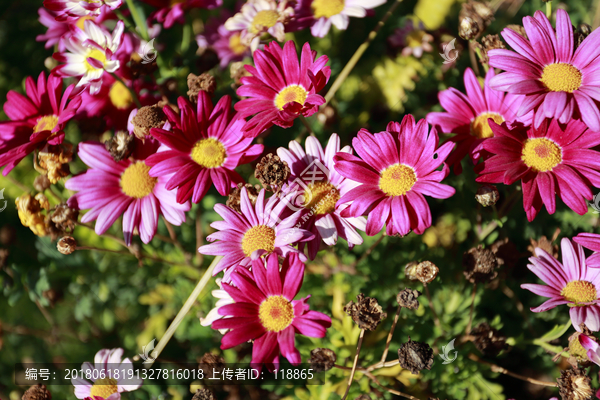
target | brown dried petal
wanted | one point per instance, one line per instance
(480, 265)
(203, 394)
(148, 117)
(65, 217)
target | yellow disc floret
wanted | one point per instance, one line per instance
(104, 388)
(120, 96)
(580, 292)
(263, 19)
(210, 153)
(98, 55)
(397, 180)
(291, 93)
(260, 237)
(561, 77)
(46, 123)
(321, 197)
(276, 313)
(136, 182)
(541, 154)
(480, 127)
(327, 8)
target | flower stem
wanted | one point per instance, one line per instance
(306, 124)
(389, 338)
(138, 19)
(358, 54)
(499, 369)
(360, 340)
(549, 9)
(186, 36)
(127, 22)
(472, 307)
(184, 310)
(131, 91)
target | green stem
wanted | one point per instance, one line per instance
(133, 94)
(185, 41)
(549, 9)
(306, 125)
(138, 19)
(127, 22)
(358, 54)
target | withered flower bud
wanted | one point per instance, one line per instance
(415, 356)
(120, 146)
(490, 42)
(66, 245)
(212, 365)
(41, 183)
(203, 394)
(322, 360)
(582, 31)
(148, 117)
(204, 82)
(37, 392)
(65, 217)
(234, 198)
(487, 195)
(425, 271)
(488, 340)
(574, 384)
(366, 312)
(42, 201)
(407, 298)
(55, 160)
(272, 172)
(470, 28)
(30, 214)
(483, 10)
(518, 28)
(480, 265)
(545, 244)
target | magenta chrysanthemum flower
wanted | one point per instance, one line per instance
(467, 115)
(280, 89)
(571, 282)
(70, 10)
(203, 148)
(549, 160)
(228, 44)
(170, 12)
(36, 119)
(112, 189)
(590, 241)
(397, 167)
(557, 82)
(118, 377)
(259, 229)
(320, 186)
(265, 311)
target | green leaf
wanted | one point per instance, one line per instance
(556, 332)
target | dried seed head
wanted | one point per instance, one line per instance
(212, 365)
(37, 392)
(519, 29)
(487, 195)
(425, 271)
(66, 245)
(203, 394)
(120, 146)
(545, 244)
(148, 117)
(488, 340)
(470, 27)
(506, 252)
(272, 172)
(234, 198)
(55, 160)
(41, 183)
(407, 298)
(322, 360)
(64, 217)
(574, 384)
(483, 10)
(366, 312)
(415, 356)
(489, 42)
(480, 265)
(196, 84)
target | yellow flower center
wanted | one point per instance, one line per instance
(104, 388)
(263, 19)
(561, 77)
(120, 96)
(397, 179)
(260, 237)
(81, 21)
(321, 197)
(580, 292)
(541, 154)
(327, 8)
(136, 182)
(46, 123)
(210, 153)
(276, 313)
(480, 128)
(291, 93)
(236, 45)
(415, 38)
(98, 55)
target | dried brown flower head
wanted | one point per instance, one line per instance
(474, 18)
(519, 29)
(234, 198)
(407, 298)
(470, 27)
(272, 172)
(148, 117)
(37, 392)
(41, 183)
(120, 146)
(30, 213)
(55, 160)
(203, 394)
(487, 195)
(64, 217)
(200, 83)
(322, 360)
(545, 244)
(366, 312)
(506, 252)
(488, 340)
(582, 31)
(212, 365)
(480, 265)
(489, 42)
(66, 245)
(425, 271)
(574, 384)
(415, 356)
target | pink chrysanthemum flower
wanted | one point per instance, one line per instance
(224, 298)
(59, 31)
(260, 16)
(571, 282)
(396, 169)
(592, 348)
(91, 52)
(280, 89)
(557, 82)
(412, 38)
(265, 311)
(173, 11)
(203, 148)
(227, 44)
(70, 10)
(337, 12)
(112, 189)
(467, 115)
(36, 119)
(259, 229)
(590, 241)
(550, 160)
(107, 363)
(320, 186)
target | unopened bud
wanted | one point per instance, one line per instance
(41, 183)
(66, 245)
(487, 195)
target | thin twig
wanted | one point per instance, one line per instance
(472, 307)
(21, 186)
(474, 63)
(396, 392)
(499, 369)
(360, 340)
(368, 252)
(389, 338)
